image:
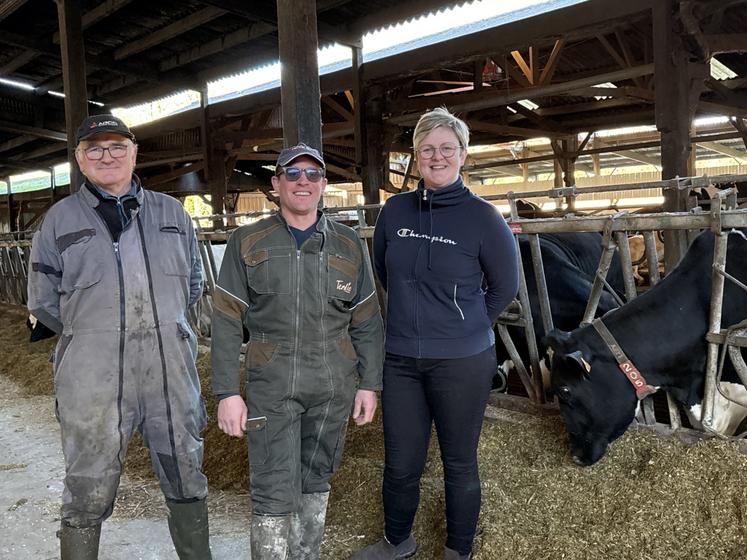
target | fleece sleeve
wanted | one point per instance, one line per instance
(498, 260)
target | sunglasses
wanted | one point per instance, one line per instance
(293, 174)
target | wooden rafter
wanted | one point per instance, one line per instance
(103, 10)
(177, 28)
(552, 63)
(330, 102)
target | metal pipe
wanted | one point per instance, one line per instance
(623, 246)
(714, 327)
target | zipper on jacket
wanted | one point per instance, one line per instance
(122, 326)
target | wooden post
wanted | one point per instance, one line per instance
(679, 83)
(376, 154)
(11, 213)
(299, 73)
(73, 78)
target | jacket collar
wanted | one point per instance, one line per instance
(93, 197)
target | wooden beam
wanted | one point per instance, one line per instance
(299, 81)
(164, 34)
(170, 175)
(74, 76)
(508, 130)
(330, 102)
(726, 43)
(37, 132)
(19, 61)
(525, 67)
(17, 141)
(738, 155)
(552, 63)
(489, 97)
(103, 10)
(7, 7)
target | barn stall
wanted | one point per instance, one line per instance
(651, 497)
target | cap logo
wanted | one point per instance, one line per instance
(104, 123)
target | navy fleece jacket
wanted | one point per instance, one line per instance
(447, 260)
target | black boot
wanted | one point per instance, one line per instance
(79, 543)
(188, 525)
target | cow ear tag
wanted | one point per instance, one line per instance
(578, 357)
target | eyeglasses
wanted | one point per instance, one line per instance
(293, 174)
(446, 150)
(116, 151)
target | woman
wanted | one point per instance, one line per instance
(448, 262)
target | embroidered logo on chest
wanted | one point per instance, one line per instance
(406, 232)
(343, 286)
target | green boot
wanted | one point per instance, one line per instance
(188, 525)
(269, 537)
(79, 543)
(307, 527)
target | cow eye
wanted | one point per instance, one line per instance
(564, 392)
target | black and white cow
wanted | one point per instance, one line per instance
(570, 262)
(662, 332)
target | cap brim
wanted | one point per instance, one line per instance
(295, 157)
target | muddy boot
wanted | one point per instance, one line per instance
(188, 525)
(269, 537)
(79, 543)
(451, 554)
(307, 527)
(384, 550)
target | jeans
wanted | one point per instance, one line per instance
(452, 393)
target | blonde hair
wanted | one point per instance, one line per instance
(440, 116)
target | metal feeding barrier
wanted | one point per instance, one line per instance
(615, 228)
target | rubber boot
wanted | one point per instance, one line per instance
(451, 554)
(269, 537)
(307, 527)
(188, 525)
(384, 550)
(79, 543)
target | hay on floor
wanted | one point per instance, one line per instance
(650, 498)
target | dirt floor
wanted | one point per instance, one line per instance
(649, 498)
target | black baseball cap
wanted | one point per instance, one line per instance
(295, 152)
(100, 124)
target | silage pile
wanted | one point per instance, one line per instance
(649, 498)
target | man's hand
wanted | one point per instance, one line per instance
(364, 406)
(232, 415)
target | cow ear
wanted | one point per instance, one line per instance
(556, 340)
(578, 357)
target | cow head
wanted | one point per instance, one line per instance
(596, 401)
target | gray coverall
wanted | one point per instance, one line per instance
(316, 335)
(125, 359)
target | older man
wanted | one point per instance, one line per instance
(302, 286)
(114, 268)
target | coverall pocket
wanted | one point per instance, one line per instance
(259, 354)
(172, 249)
(268, 270)
(345, 345)
(342, 279)
(256, 431)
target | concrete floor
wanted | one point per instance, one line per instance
(31, 473)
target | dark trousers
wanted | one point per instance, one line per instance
(452, 393)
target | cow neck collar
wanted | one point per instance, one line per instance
(642, 388)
